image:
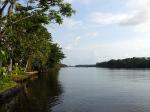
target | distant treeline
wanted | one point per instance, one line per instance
(63, 65)
(85, 66)
(126, 63)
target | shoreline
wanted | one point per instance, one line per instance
(11, 91)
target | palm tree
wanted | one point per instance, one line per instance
(7, 3)
(8, 6)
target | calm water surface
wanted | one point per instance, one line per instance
(84, 90)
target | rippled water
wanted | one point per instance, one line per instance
(84, 90)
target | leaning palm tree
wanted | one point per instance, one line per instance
(7, 5)
(6, 8)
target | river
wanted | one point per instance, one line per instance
(84, 90)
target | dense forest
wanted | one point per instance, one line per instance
(25, 43)
(126, 63)
(85, 66)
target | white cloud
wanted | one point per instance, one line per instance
(73, 44)
(138, 47)
(133, 47)
(137, 4)
(68, 47)
(137, 15)
(71, 23)
(128, 19)
(70, 1)
(107, 18)
(76, 41)
(91, 34)
(137, 18)
(79, 1)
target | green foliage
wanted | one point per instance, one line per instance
(24, 38)
(126, 63)
(17, 70)
(3, 72)
(4, 78)
(23, 33)
(7, 85)
(19, 77)
(3, 57)
(55, 56)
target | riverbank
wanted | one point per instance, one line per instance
(9, 91)
(73, 90)
(11, 87)
(23, 77)
(6, 86)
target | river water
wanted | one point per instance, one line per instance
(84, 90)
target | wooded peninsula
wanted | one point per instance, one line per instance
(26, 45)
(134, 62)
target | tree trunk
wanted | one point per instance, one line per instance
(29, 64)
(10, 66)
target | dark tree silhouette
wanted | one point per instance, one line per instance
(126, 63)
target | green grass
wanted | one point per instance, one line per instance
(22, 76)
(19, 76)
(7, 85)
(31, 73)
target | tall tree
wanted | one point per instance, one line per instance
(55, 56)
(23, 33)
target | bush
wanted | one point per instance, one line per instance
(3, 72)
(18, 70)
(4, 78)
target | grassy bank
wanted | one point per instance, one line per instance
(23, 76)
(7, 85)
(10, 82)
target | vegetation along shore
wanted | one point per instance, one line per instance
(26, 45)
(134, 62)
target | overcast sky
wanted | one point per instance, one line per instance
(104, 29)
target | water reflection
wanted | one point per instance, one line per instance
(130, 74)
(84, 90)
(37, 96)
(104, 90)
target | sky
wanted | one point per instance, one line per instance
(104, 29)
